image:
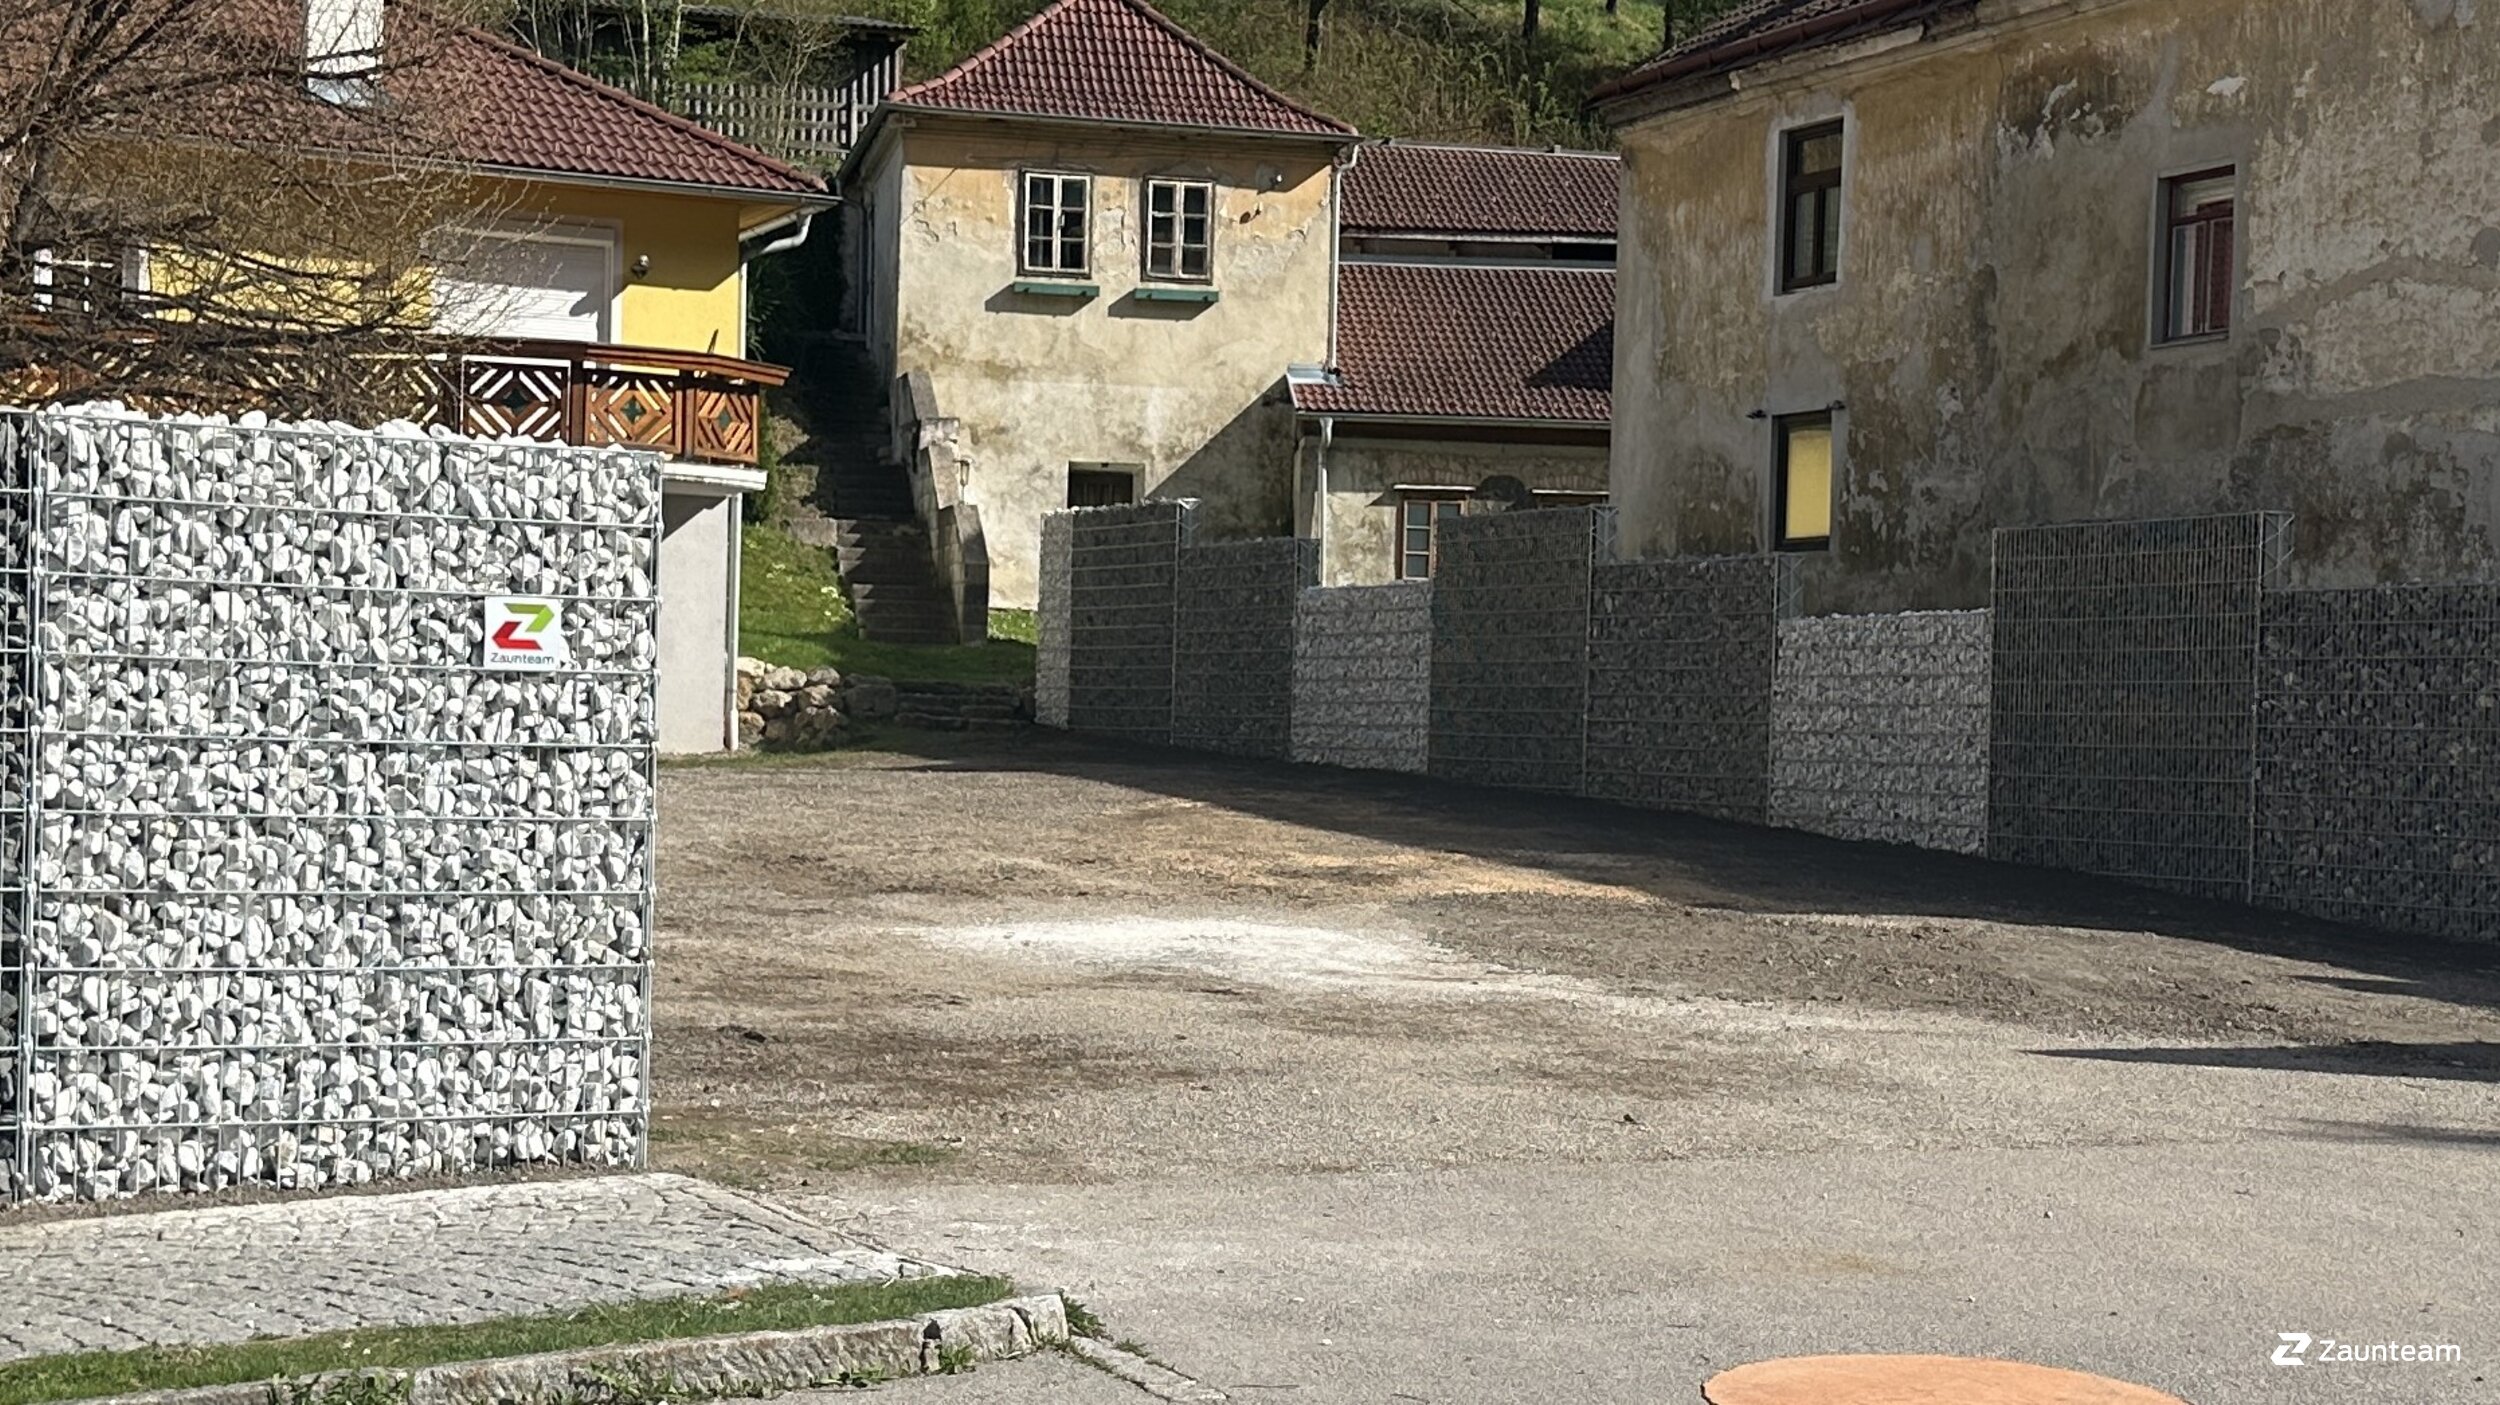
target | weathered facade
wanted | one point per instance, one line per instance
(2001, 341)
(1101, 367)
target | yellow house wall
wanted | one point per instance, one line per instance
(693, 299)
(1991, 335)
(1194, 395)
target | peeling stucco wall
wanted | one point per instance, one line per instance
(1360, 534)
(1191, 395)
(1991, 335)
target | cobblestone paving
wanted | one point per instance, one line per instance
(195, 1277)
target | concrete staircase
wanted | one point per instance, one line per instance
(861, 506)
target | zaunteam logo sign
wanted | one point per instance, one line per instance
(525, 635)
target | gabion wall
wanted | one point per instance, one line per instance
(2378, 757)
(314, 898)
(1051, 625)
(1879, 729)
(1232, 657)
(2124, 703)
(2141, 702)
(1123, 589)
(1681, 656)
(1362, 677)
(1510, 629)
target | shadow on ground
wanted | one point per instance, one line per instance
(1715, 864)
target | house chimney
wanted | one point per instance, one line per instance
(342, 50)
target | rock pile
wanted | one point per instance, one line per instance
(317, 899)
(787, 709)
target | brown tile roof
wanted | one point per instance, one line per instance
(1394, 187)
(1759, 30)
(524, 112)
(1114, 61)
(457, 95)
(1450, 341)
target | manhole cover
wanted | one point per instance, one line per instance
(1918, 1380)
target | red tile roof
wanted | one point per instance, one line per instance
(1394, 187)
(1450, 341)
(518, 110)
(1759, 30)
(1115, 61)
(457, 95)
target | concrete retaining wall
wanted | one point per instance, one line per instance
(1362, 677)
(1681, 656)
(1510, 622)
(1233, 647)
(2378, 757)
(1879, 729)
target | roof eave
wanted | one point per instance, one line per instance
(751, 195)
(1464, 421)
(1342, 138)
(1708, 73)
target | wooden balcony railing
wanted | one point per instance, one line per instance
(687, 405)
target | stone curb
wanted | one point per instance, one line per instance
(751, 1364)
(1152, 1377)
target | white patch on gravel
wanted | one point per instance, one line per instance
(1261, 953)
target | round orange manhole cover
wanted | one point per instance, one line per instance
(1918, 1380)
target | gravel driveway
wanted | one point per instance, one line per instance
(1191, 1037)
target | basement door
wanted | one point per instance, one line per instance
(555, 284)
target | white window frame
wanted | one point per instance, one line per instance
(1178, 246)
(1062, 182)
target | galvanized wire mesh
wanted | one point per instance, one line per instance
(1232, 664)
(2378, 757)
(304, 894)
(2125, 697)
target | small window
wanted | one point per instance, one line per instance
(1804, 477)
(1058, 223)
(1810, 208)
(1180, 230)
(1101, 487)
(1419, 534)
(2198, 278)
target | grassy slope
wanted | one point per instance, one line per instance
(791, 612)
(780, 1308)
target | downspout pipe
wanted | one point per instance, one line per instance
(787, 242)
(1319, 507)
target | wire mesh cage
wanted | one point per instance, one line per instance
(301, 891)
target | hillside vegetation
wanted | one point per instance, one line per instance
(1441, 70)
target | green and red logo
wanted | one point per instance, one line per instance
(524, 634)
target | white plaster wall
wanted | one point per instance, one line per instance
(698, 642)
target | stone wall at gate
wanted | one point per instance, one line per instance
(2141, 701)
(1879, 729)
(2378, 757)
(304, 894)
(1681, 657)
(1232, 654)
(1510, 622)
(1362, 677)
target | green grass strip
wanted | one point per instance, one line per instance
(781, 1307)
